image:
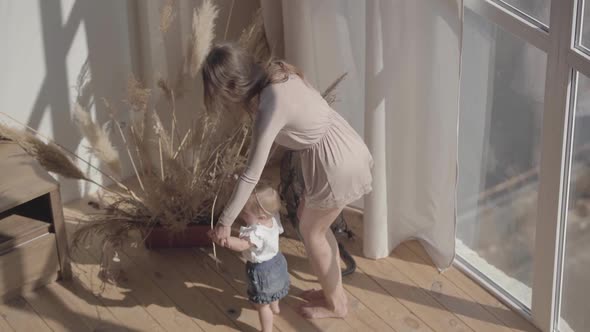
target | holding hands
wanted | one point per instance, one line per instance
(220, 234)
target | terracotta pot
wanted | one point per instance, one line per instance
(194, 235)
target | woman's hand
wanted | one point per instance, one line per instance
(220, 234)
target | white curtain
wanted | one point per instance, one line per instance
(402, 94)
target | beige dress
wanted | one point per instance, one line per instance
(335, 161)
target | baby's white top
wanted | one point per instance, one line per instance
(265, 240)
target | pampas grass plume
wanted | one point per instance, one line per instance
(253, 39)
(138, 96)
(167, 15)
(330, 93)
(49, 155)
(100, 143)
(203, 34)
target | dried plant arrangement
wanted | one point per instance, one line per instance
(183, 177)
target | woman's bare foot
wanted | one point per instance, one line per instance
(312, 294)
(274, 306)
(321, 311)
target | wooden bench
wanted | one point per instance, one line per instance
(33, 244)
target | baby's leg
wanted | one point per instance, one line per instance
(265, 315)
(274, 306)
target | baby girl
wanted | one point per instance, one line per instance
(268, 278)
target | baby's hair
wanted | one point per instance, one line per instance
(264, 201)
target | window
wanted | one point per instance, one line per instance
(584, 25)
(535, 9)
(575, 295)
(502, 91)
(524, 156)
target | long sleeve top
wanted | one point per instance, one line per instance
(294, 115)
(267, 124)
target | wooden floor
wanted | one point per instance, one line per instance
(184, 290)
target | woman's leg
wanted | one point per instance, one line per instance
(317, 295)
(322, 249)
(265, 315)
(312, 294)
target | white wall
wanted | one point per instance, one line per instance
(47, 43)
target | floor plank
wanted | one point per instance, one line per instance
(387, 307)
(360, 317)
(4, 326)
(19, 314)
(444, 292)
(60, 315)
(232, 270)
(96, 316)
(125, 308)
(134, 287)
(197, 272)
(188, 297)
(157, 303)
(478, 294)
(374, 296)
(183, 289)
(188, 303)
(398, 285)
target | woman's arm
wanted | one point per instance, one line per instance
(267, 125)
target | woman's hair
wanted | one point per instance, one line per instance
(231, 76)
(264, 201)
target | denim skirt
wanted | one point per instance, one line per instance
(268, 281)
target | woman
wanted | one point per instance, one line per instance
(336, 164)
